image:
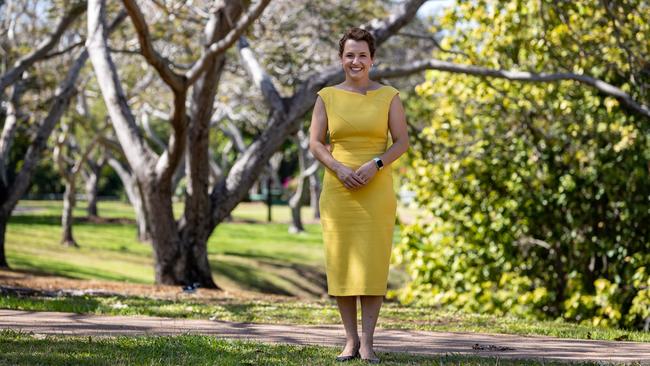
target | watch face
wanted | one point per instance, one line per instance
(379, 163)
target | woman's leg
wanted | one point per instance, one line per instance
(348, 309)
(370, 306)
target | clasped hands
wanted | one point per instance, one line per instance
(354, 180)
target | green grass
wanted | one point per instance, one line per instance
(244, 256)
(260, 256)
(25, 349)
(293, 311)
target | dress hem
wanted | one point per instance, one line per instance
(358, 292)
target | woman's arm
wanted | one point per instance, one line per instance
(399, 134)
(317, 133)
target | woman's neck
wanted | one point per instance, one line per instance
(360, 85)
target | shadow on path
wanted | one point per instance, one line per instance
(386, 340)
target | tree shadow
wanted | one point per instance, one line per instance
(78, 220)
(35, 220)
(302, 279)
(250, 278)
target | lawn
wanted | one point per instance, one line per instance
(290, 310)
(26, 349)
(246, 254)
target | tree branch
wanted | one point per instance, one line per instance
(260, 78)
(385, 28)
(136, 150)
(64, 51)
(218, 47)
(523, 76)
(432, 38)
(9, 128)
(41, 50)
(62, 97)
(174, 80)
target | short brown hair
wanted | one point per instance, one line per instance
(358, 34)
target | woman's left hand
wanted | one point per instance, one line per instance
(367, 171)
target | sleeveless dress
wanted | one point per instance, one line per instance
(357, 225)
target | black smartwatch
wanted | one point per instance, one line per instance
(378, 163)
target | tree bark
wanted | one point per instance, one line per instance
(69, 169)
(69, 201)
(3, 228)
(194, 230)
(153, 172)
(141, 215)
(91, 185)
(133, 193)
(295, 202)
(9, 128)
(314, 191)
(164, 234)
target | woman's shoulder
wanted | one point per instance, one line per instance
(324, 91)
(387, 92)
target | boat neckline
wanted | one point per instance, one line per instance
(367, 91)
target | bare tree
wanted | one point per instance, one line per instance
(12, 190)
(180, 257)
(69, 167)
(91, 173)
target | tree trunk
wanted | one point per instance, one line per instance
(3, 228)
(314, 191)
(69, 202)
(194, 230)
(143, 233)
(176, 261)
(164, 234)
(134, 194)
(295, 203)
(92, 180)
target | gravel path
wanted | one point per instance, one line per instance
(414, 342)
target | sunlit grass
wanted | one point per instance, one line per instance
(294, 311)
(244, 256)
(26, 349)
(258, 256)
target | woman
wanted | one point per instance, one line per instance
(358, 203)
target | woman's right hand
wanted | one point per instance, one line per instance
(350, 179)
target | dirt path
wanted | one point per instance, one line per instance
(414, 342)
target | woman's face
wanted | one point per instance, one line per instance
(356, 60)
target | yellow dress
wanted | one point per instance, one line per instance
(357, 225)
